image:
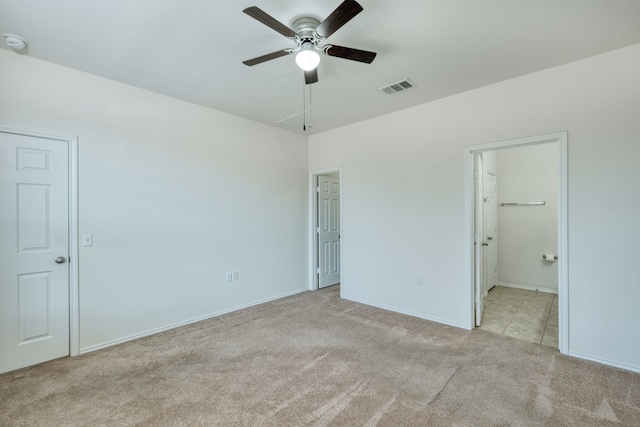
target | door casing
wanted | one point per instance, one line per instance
(74, 306)
(561, 139)
(478, 238)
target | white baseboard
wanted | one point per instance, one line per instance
(605, 362)
(187, 322)
(528, 287)
(408, 313)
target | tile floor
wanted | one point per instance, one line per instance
(518, 313)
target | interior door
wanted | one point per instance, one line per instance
(479, 236)
(489, 190)
(34, 248)
(328, 231)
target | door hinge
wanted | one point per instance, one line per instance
(318, 230)
(317, 189)
(318, 270)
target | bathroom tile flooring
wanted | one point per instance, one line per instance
(518, 313)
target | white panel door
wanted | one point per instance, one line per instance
(328, 231)
(479, 238)
(34, 248)
(490, 231)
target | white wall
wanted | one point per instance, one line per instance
(528, 174)
(404, 196)
(175, 195)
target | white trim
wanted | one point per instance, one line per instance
(402, 311)
(74, 273)
(469, 234)
(520, 142)
(74, 311)
(563, 244)
(313, 225)
(608, 362)
(528, 287)
(187, 322)
(561, 138)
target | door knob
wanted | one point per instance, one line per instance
(485, 244)
(489, 238)
(61, 260)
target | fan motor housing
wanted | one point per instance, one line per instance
(305, 26)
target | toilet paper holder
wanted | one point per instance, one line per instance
(545, 256)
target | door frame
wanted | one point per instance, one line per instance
(478, 238)
(561, 139)
(313, 226)
(74, 304)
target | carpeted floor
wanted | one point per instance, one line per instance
(314, 359)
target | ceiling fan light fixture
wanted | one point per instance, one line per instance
(307, 59)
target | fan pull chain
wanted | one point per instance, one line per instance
(304, 104)
(304, 108)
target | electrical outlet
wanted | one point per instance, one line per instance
(235, 275)
(229, 276)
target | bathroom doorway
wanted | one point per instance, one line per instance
(516, 209)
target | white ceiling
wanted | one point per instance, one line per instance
(193, 49)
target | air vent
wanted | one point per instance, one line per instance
(298, 120)
(398, 87)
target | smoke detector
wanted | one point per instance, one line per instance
(14, 42)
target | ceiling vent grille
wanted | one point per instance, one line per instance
(398, 87)
(298, 120)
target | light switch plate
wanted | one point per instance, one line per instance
(87, 239)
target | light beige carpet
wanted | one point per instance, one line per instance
(314, 359)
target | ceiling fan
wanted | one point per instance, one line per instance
(308, 32)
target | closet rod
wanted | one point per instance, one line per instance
(522, 203)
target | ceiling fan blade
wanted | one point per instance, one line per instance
(267, 57)
(343, 14)
(268, 20)
(349, 53)
(311, 77)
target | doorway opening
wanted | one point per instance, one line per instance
(326, 220)
(518, 247)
